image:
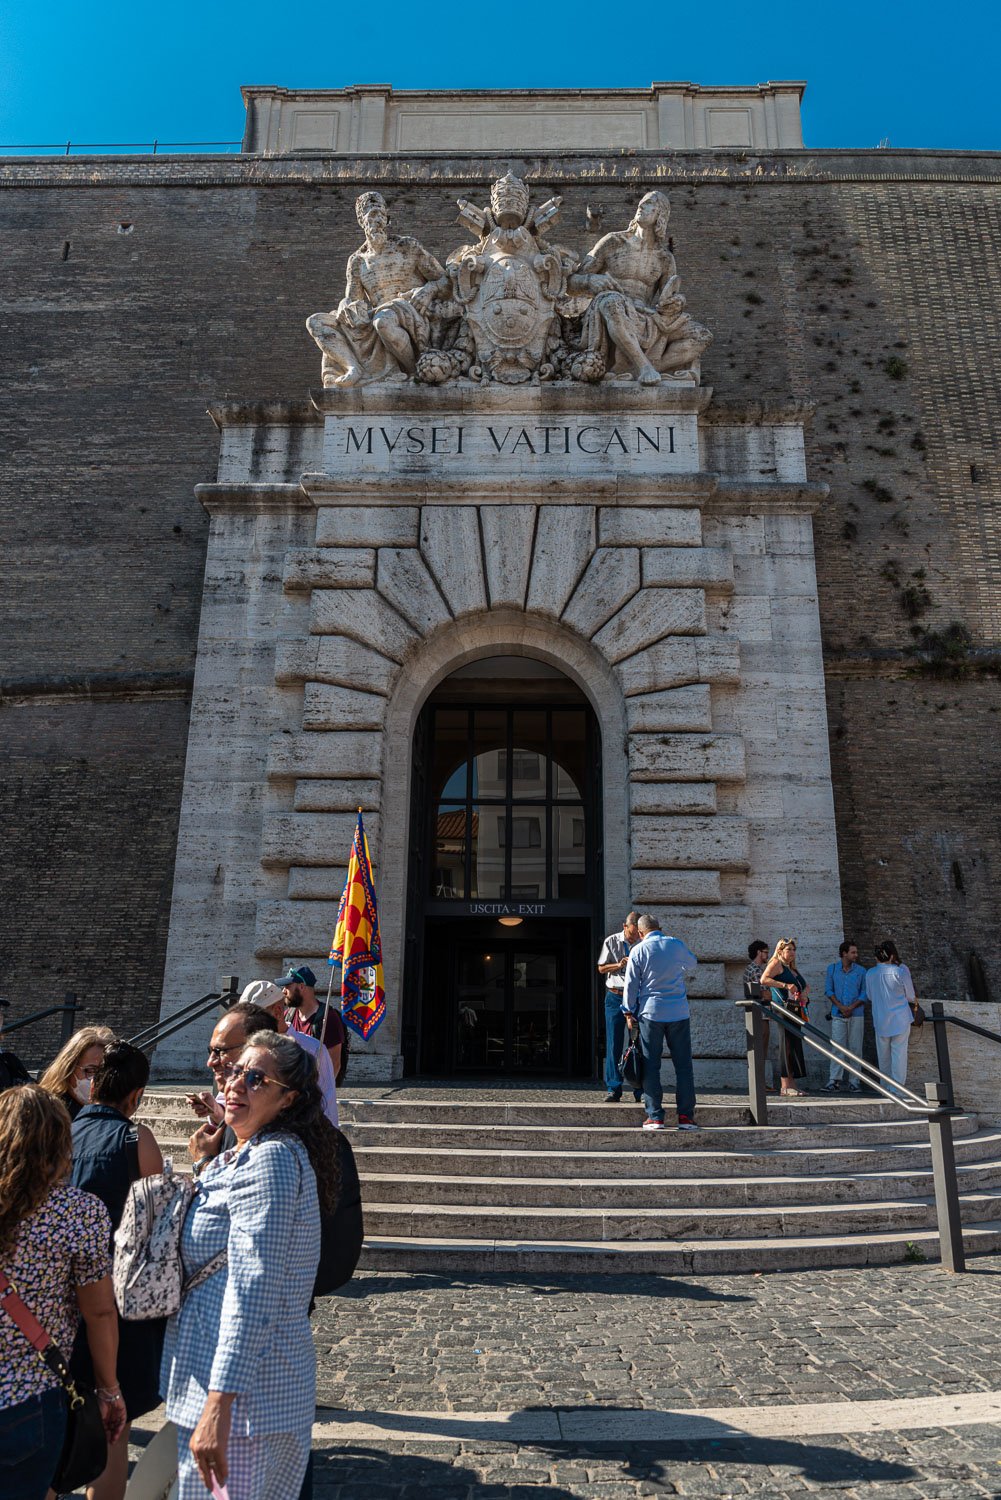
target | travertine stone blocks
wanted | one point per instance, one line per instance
(686, 757)
(365, 616)
(676, 887)
(312, 883)
(342, 754)
(508, 534)
(450, 542)
(648, 526)
(675, 662)
(334, 795)
(611, 577)
(329, 568)
(564, 542)
(672, 797)
(311, 838)
(337, 659)
(717, 935)
(675, 708)
(661, 843)
(328, 707)
(650, 615)
(367, 526)
(404, 580)
(688, 567)
(284, 927)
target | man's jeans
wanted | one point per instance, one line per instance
(615, 1033)
(847, 1031)
(678, 1035)
(31, 1440)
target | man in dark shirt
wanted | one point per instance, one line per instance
(12, 1069)
(308, 1015)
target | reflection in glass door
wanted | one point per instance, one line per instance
(509, 1009)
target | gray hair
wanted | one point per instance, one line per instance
(646, 923)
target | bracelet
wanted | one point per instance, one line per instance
(202, 1161)
(108, 1395)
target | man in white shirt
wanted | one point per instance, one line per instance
(269, 997)
(612, 964)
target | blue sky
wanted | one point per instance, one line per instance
(917, 74)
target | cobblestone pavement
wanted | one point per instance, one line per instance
(394, 1343)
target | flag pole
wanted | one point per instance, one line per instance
(330, 985)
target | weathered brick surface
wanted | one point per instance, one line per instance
(864, 283)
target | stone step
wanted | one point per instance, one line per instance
(443, 1221)
(815, 1110)
(667, 1158)
(530, 1139)
(665, 1192)
(694, 1256)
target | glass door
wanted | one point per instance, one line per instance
(510, 1003)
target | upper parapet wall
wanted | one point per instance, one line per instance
(375, 118)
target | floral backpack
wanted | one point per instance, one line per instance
(148, 1276)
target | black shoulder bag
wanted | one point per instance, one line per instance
(85, 1447)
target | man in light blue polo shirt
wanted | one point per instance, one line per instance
(655, 1000)
(844, 987)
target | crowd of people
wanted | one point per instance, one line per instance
(236, 1364)
(646, 1000)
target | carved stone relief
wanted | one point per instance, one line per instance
(512, 307)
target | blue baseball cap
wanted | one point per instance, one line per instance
(302, 975)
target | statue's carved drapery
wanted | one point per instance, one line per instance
(511, 307)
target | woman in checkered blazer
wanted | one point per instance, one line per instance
(239, 1369)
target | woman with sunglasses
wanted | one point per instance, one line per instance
(790, 989)
(239, 1368)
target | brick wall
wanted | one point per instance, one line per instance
(133, 293)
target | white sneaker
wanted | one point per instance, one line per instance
(654, 1125)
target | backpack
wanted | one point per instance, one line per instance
(342, 1231)
(148, 1276)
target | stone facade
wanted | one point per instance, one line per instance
(138, 292)
(651, 563)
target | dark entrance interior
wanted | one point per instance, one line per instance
(504, 882)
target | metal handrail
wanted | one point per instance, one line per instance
(938, 1110)
(151, 1036)
(68, 1010)
(865, 1070)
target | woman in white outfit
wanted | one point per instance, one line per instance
(891, 991)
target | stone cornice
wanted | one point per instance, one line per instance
(268, 411)
(759, 414)
(221, 499)
(555, 398)
(447, 169)
(664, 489)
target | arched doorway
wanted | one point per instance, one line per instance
(504, 879)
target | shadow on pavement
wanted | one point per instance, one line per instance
(378, 1475)
(646, 1284)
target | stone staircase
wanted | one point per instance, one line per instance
(529, 1183)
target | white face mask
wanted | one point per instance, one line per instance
(82, 1090)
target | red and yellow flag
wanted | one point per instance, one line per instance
(357, 946)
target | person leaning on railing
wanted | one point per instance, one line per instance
(790, 989)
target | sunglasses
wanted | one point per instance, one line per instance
(233, 1047)
(255, 1079)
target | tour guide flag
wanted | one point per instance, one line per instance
(357, 946)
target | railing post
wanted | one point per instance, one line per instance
(943, 1162)
(229, 990)
(942, 1052)
(68, 1019)
(755, 1038)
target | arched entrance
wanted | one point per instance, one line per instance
(504, 881)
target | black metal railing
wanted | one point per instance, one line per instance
(937, 1107)
(940, 1021)
(227, 995)
(133, 148)
(69, 1010)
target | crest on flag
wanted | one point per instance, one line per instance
(357, 946)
